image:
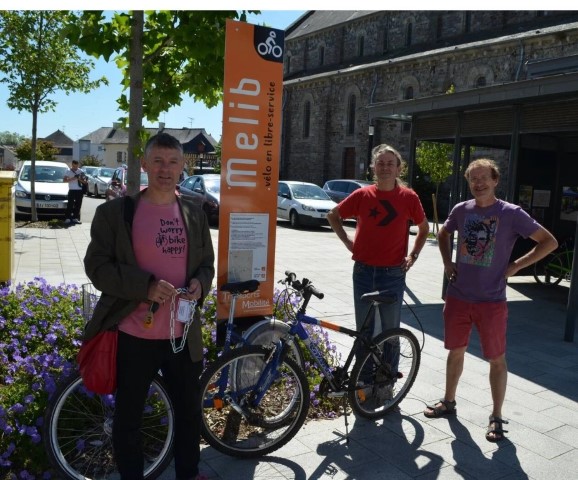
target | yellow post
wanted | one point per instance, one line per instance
(6, 225)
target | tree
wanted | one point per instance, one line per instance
(166, 54)
(36, 61)
(436, 161)
(11, 138)
(44, 150)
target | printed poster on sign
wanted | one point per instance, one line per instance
(252, 115)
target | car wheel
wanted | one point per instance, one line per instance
(294, 219)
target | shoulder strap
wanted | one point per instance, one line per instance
(128, 209)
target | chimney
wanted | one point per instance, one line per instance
(116, 125)
(161, 126)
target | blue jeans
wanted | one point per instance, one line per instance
(370, 279)
(366, 279)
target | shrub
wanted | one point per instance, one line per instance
(40, 331)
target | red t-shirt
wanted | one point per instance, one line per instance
(383, 217)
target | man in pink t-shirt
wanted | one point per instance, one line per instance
(150, 254)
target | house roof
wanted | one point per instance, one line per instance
(59, 139)
(183, 135)
(98, 135)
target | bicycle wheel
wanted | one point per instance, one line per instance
(243, 418)
(78, 431)
(383, 377)
(550, 270)
(269, 331)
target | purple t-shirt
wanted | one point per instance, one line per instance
(486, 237)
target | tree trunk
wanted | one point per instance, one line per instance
(33, 212)
(135, 113)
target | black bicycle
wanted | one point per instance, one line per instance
(257, 398)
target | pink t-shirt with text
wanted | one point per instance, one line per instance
(160, 246)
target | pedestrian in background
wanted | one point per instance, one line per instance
(76, 179)
(487, 229)
(142, 249)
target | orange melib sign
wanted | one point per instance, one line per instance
(252, 113)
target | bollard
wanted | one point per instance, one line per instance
(7, 179)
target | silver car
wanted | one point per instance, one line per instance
(303, 203)
(51, 192)
(98, 181)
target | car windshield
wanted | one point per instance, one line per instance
(51, 174)
(213, 186)
(105, 172)
(144, 178)
(309, 191)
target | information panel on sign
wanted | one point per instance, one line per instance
(252, 114)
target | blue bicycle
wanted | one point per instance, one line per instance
(256, 398)
(78, 423)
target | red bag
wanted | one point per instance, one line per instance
(97, 362)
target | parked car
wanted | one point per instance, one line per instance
(89, 169)
(205, 190)
(341, 188)
(98, 180)
(303, 203)
(51, 192)
(117, 186)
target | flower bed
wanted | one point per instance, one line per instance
(40, 331)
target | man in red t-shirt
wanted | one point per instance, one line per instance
(383, 212)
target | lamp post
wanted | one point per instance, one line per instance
(201, 150)
(370, 133)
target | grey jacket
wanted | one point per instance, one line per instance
(111, 265)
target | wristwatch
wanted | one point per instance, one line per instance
(414, 256)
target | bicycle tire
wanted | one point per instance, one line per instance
(379, 388)
(231, 424)
(78, 431)
(269, 331)
(549, 270)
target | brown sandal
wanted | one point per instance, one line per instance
(497, 429)
(446, 408)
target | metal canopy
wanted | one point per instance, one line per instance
(514, 95)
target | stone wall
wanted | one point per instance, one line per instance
(372, 59)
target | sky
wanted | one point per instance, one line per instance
(80, 114)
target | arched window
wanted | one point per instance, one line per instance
(468, 22)
(385, 41)
(360, 46)
(306, 119)
(351, 107)
(408, 34)
(321, 55)
(481, 81)
(408, 93)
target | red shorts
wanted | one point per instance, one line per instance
(490, 320)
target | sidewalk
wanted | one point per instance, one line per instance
(541, 401)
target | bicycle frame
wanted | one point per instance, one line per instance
(297, 329)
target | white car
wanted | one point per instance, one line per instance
(303, 203)
(50, 190)
(98, 181)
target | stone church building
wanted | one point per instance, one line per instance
(502, 82)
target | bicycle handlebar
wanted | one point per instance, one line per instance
(305, 286)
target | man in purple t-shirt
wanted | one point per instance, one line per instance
(487, 229)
